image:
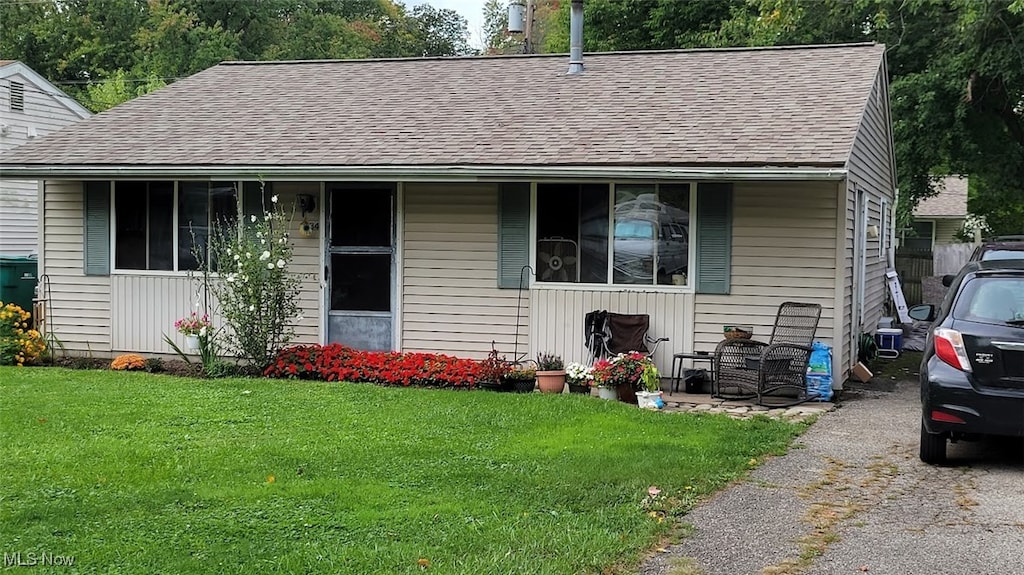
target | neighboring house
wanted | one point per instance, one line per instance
(701, 187)
(938, 219)
(30, 107)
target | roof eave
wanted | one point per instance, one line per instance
(446, 173)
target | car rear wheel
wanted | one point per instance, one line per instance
(933, 447)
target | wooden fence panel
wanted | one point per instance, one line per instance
(912, 266)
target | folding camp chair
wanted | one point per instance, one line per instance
(609, 334)
(773, 372)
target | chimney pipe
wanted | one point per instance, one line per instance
(576, 38)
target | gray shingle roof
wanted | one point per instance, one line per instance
(748, 107)
(950, 202)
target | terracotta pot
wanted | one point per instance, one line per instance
(551, 381)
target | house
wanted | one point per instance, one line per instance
(30, 107)
(701, 187)
(939, 219)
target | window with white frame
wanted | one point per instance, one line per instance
(160, 225)
(623, 234)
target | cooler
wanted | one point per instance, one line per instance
(889, 341)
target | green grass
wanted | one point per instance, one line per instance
(140, 473)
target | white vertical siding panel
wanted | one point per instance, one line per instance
(147, 307)
(560, 329)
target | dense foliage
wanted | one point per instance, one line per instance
(104, 52)
(19, 343)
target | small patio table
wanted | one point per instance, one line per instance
(677, 366)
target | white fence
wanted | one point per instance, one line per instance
(950, 258)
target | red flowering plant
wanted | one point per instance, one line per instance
(623, 368)
(336, 362)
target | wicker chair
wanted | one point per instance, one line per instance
(772, 372)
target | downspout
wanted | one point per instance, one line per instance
(576, 38)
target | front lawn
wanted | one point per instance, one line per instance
(140, 473)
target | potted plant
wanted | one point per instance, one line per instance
(493, 371)
(579, 377)
(522, 378)
(622, 373)
(649, 395)
(194, 327)
(550, 373)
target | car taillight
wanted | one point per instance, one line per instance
(949, 347)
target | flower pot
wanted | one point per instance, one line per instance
(551, 381)
(608, 393)
(649, 400)
(489, 385)
(579, 388)
(523, 385)
(192, 341)
(626, 393)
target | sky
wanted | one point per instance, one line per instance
(471, 10)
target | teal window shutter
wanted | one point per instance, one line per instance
(714, 237)
(513, 234)
(97, 229)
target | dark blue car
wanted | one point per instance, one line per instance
(972, 372)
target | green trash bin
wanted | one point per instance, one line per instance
(18, 280)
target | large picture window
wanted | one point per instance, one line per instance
(636, 234)
(160, 225)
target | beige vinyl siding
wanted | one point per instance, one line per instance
(946, 230)
(19, 199)
(849, 349)
(450, 301)
(79, 305)
(19, 217)
(783, 249)
(870, 168)
(558, 316)
(149, 303)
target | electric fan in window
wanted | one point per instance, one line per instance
(556, 260)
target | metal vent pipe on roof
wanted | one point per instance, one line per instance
(576, 38)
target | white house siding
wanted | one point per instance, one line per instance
(870, 168)
(19, 202)
(946, 230)
(557, 319)
(450, 301)
(783, 249)
(147, 304)
(78, 311)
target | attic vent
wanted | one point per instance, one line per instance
(17, 96)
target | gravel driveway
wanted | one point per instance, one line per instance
(852, 497)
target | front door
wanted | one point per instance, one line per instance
(360, 265)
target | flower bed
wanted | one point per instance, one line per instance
(335, 362)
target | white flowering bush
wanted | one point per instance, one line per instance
(579, 374)
(256, 293)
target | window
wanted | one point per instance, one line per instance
(635, 234)
(17, 96)
(918, 238)
(159, 225)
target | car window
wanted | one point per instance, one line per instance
(1003, 255)
(991, 300)
(634, 229)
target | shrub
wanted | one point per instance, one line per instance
(256, 293)
(18, 344)
(335, 362)
(128, 362)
